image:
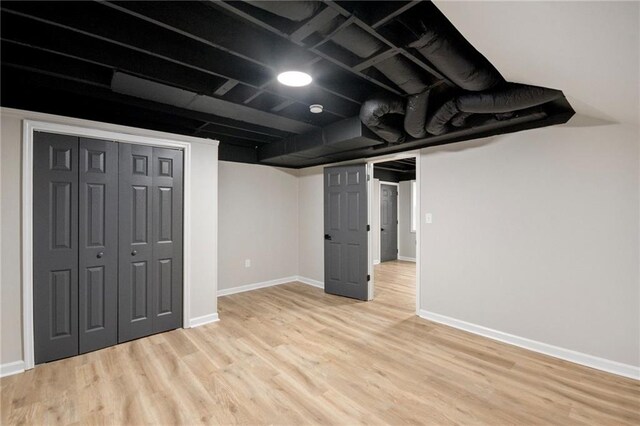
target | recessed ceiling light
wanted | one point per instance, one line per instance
(315, 108)
(294, 78)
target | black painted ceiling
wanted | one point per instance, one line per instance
(395, 170)
(205, 68)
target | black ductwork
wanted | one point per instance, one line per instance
(508, 98)
(329, 143)
(445, 48)
(397, 68)
(403, 74)
(460, 119)
(383, 115)
(463, 97)
(416, 114)
(356, 40)
(439, 122)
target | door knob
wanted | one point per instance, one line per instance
(134, 252)
(382, 229)
(327, 236)
(99, 255)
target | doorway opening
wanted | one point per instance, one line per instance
(364, 236)
(394, 217)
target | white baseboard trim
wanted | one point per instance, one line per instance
(205, 319)
(270, 283)
(609, 366)
(407, 259)
(11, 368)
(255, 286)
(310, 282)
(376, 262)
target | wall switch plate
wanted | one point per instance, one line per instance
(247, 263)
(428, 218)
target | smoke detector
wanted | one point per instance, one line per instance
(316, 108)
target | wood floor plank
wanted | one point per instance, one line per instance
(292, 354)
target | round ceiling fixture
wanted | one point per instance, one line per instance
(294, 78)
(316, 108)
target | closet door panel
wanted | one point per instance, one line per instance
(55, 246)
(135, 294)
(98, 241)
(167, 238)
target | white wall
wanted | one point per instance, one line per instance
(535, 234)
(406, 238)
(310, 220)
(203, 220)
(258, 221)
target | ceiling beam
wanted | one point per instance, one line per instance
(106, 24)
(408, 161)
(50, 63)
(389, 16)
(314, 24)
(81, 100)
(223, 32)
(363, 25)
(230, 8)
(230, 84)
(231, 35)
(26, 32)
(139, 37)
(145, 89)
(390, 169)
(75, 71)
(281, 106)
(375, 59)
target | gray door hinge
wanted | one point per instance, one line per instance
(368, 227)
(368, 277)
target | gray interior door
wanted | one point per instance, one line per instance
(55, 246)
(345, 229)
(150, 268)
(167, 239)
(98, 244)
(388, 222)
(135, 297)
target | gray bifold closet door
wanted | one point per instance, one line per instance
(98, 244)
(55, 246)
(75, 245)
(107, 241)
(150, 271)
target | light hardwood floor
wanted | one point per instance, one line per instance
(293, 355)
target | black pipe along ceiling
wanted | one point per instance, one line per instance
(390, 76)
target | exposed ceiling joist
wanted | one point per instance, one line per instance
(176, 49)
(231, 8)
(313, 24)
(208, 68)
